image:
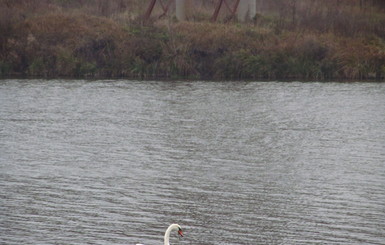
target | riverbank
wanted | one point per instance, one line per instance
(79, 44)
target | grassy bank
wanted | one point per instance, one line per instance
(303, 41)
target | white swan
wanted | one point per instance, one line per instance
(173, 227)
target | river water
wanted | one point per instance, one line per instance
(116, 162)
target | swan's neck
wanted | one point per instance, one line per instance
(167, 234)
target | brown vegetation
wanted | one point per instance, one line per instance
(309, 39)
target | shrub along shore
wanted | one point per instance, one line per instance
(79, 44)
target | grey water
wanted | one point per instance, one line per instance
(117, 161)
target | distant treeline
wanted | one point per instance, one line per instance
(302, 39)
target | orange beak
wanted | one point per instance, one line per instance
(180, 232)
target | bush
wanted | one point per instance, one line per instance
(288, 39)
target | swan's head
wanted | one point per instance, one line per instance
(180, 232)
(176, 227)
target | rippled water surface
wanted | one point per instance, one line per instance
(115, 162)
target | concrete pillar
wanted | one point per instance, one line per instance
(252, 9)
(180, 7)
(247, 10)
(242, 10)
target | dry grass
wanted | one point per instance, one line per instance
(311, 40)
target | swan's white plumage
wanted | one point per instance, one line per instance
(173, 227)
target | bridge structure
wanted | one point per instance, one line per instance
(240, 9)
